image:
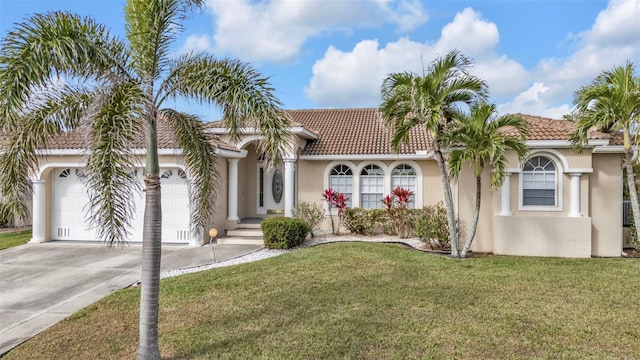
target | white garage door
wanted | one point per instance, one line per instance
(70, 199)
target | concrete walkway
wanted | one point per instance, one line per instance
(41, 284)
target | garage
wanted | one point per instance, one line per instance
(70, 199)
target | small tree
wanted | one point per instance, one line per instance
(329, 196)
(341, 203)
(397, 208)
(611, 102)
(485, 139)
(339, 200)
(430, 101)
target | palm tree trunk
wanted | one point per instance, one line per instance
(151, 252)
(476, 216)
(633, 193)
(448, 199)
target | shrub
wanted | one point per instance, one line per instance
(358, 221)
(283, 232)
(432, 227)
(397, 208)
(311, 213)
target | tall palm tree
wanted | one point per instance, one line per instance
(611, 102)
(483, 139)
(431, 101)
(115, 90)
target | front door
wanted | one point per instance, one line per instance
(270, 190)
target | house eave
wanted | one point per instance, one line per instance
(297, 130)
(239, 154)
(610, 149)
(560, 144)
(418, 155)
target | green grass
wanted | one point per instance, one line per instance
(372, 301)
(11, 239)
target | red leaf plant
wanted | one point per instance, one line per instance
(397, 206)
(339, 200)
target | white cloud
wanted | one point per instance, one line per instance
(617, 25)
(349, 79)
(469, 33)
(196, 43)
(534, 101)
(353, 78)
(613, 39)
(276, 30)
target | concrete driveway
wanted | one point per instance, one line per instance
(41, 284)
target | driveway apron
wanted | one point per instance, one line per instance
(41, 284)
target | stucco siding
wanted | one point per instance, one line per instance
(466, 207)
(606, 205)
(542, 236)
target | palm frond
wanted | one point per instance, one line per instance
(246, 98)
(151, 27)
(611, 102)
(112, 183)
(201, 162)
(22, 139)
(485, 139)
(54, 44)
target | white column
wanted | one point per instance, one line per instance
(289, 195)
(505, 196)
(38, 220)
(232, 201)
(574, 210)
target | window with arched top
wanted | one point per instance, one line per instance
(404, 176)
(539, 183)
(167, 174)
(371, 187)
(341, 180)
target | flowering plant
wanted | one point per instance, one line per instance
(397, 207)
(339, 200)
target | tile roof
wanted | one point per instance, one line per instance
(354, 132)
(358, 131)
(77, 139)
(362, 132)
(549, 129)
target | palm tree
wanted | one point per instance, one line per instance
(115, 90)
(611, 102)
(430, 101)
(484, 140)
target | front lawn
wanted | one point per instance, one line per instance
(372, 301)
(11, 239)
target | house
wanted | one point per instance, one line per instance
(557, 203)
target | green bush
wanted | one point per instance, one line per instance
(357, 221)
(311, 213)
(283, 232)
(432, 227)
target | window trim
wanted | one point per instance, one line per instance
(387, 169)
(416, 182)
(384, 187)
(559, 193)
(327, 183)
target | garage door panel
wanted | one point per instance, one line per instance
(70, 199)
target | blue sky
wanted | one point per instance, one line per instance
(335, 54)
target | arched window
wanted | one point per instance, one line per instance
(371, 187)
(404, 176)
(341, 180)
(539, 182)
